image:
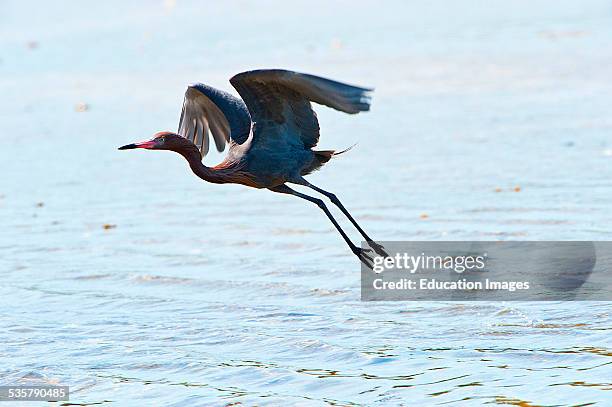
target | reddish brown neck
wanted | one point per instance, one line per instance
(194, 158)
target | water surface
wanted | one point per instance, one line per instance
(490, 121)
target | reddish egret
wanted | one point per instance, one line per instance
(271, 134)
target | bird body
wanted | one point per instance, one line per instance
(271, 133)
(257, 166)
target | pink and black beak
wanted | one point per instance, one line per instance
(143, 144)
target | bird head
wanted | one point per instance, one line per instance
(164, 140)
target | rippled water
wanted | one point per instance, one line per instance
(490, 121)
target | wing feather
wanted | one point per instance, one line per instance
(208, 112)
(281, 98)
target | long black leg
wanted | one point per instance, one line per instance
(362, 254)
(334, 199)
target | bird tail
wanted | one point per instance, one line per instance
(321, 157)
(343, 151)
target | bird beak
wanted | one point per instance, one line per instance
(143, 144)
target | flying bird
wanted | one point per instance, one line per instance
(271, 132)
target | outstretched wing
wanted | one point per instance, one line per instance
(209, 111)
(279, 101)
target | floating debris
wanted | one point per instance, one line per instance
(40, 204)
(32, 44)
(498, 189)
(108, 226)
(424, 216)
(517, 189)
(81, 107)
(336, 44)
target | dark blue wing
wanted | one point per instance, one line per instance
(209, 111)
(279, 102)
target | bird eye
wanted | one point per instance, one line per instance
(162, 139)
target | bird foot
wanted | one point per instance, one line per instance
(378, 248)
(364, 256)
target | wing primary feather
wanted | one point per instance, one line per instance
(204, 133)
(189, 128)
(197, 135)
(181, 119)
(204, 147)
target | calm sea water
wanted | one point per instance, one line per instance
(197, 294)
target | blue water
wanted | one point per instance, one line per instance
(198, 294)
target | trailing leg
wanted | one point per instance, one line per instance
(362, 254)
(334, 199)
